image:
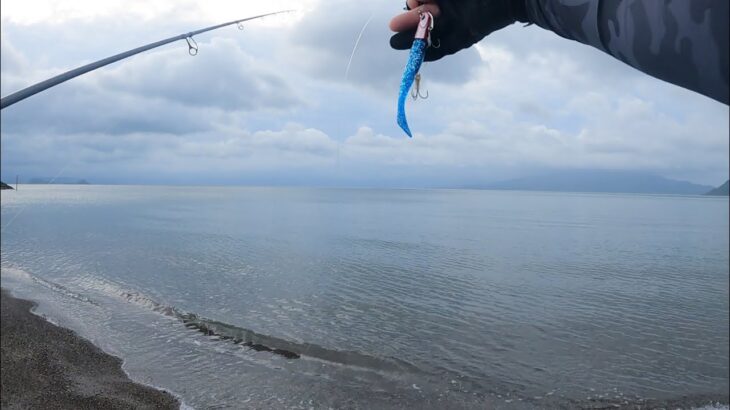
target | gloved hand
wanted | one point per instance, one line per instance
(458, 23)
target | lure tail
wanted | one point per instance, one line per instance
(418, 51)
(421, 41)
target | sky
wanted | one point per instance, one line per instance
(272, 104)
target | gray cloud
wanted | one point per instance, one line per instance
(165, 91)
(272, 106)
(11, 61)
(84, 108)
(325, 39)
(221, 76)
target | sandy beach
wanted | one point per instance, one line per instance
(45, 366)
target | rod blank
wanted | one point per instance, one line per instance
(53, 81)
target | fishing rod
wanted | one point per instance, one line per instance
(51, 82)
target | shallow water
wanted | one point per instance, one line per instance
(391, 298)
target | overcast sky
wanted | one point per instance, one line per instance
(270, 104)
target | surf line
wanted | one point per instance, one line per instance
(192, 322)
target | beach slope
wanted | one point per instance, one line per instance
(46, 366)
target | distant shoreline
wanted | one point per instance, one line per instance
(46, 365)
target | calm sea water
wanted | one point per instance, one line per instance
(391, 298)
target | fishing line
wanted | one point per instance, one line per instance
(357, 42)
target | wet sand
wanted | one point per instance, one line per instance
(45, 366)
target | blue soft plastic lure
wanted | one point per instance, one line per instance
(415, 59)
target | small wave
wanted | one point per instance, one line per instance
(24, 275)
(289, 349)
(249, 338)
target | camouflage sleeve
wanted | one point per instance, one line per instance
(684, 42)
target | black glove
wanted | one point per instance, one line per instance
(463, 23)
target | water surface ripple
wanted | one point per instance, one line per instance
(298, 298)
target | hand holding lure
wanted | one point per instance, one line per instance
(421, 41)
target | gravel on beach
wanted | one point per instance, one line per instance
(45, 366)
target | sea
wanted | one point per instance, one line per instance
(301, 298)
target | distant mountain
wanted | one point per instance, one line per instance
(3, 185)
(60, 180)
(600, 181)
(721, 190)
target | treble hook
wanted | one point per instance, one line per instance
(416, 90)
(192, 48)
